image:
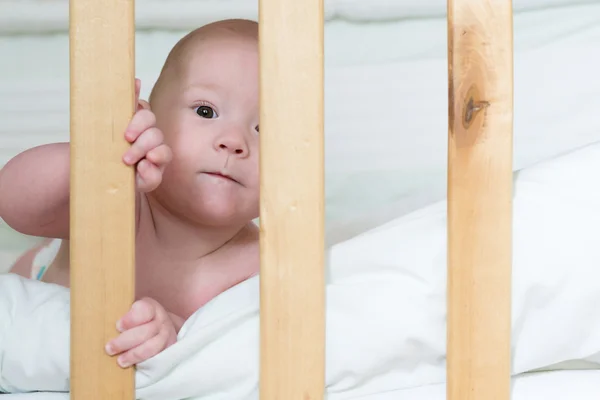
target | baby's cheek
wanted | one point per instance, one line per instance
(254, 181)
(254, 169)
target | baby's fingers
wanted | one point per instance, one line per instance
(160, 156)
(131, 339)
(143, 120)
(145, 350)
(141, 312)
(150, 139)
(148, 176)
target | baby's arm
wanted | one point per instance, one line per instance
(34, 185)
(34, 191)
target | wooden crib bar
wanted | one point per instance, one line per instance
(480, 66)
(102, 193)
(292, 200)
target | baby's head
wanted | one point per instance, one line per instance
(207, 105)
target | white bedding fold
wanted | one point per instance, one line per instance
(34, 335)
(553, 385)
(386, 305)
(43, 16)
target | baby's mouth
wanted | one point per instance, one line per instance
(222, 176)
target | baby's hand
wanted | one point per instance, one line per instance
(148, 150)
(146, 330)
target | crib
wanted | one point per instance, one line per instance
(292, 214)
(293, 360)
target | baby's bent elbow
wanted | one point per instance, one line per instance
(34, 191)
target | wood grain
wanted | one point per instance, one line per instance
(480, 66)
(292, 200)
(102, 193)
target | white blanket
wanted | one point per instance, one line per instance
(386, 304)
(44, 16)
(553, 385)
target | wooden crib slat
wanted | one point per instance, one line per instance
(480, 69)
(292, 203)
(102, 193)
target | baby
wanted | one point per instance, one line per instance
(195, 149)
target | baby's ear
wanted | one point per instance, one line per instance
(143, 105)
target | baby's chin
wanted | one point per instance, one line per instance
(221, 209)
(212, 201)
(221, 217)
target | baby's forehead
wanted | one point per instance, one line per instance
(213, 50)
(219, 54)
(224, 53)
(230, 32)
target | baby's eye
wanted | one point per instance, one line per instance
(206, 112)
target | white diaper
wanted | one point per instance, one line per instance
(44, 259)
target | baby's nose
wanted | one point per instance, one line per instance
(235, 149)
(233, 145)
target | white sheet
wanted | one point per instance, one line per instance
(12, 246)
(555, 385)
(385, 305)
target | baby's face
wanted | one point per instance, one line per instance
(210, 120)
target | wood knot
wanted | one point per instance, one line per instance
(468, 124)
(472, 106)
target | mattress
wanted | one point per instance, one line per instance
(554, 385)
